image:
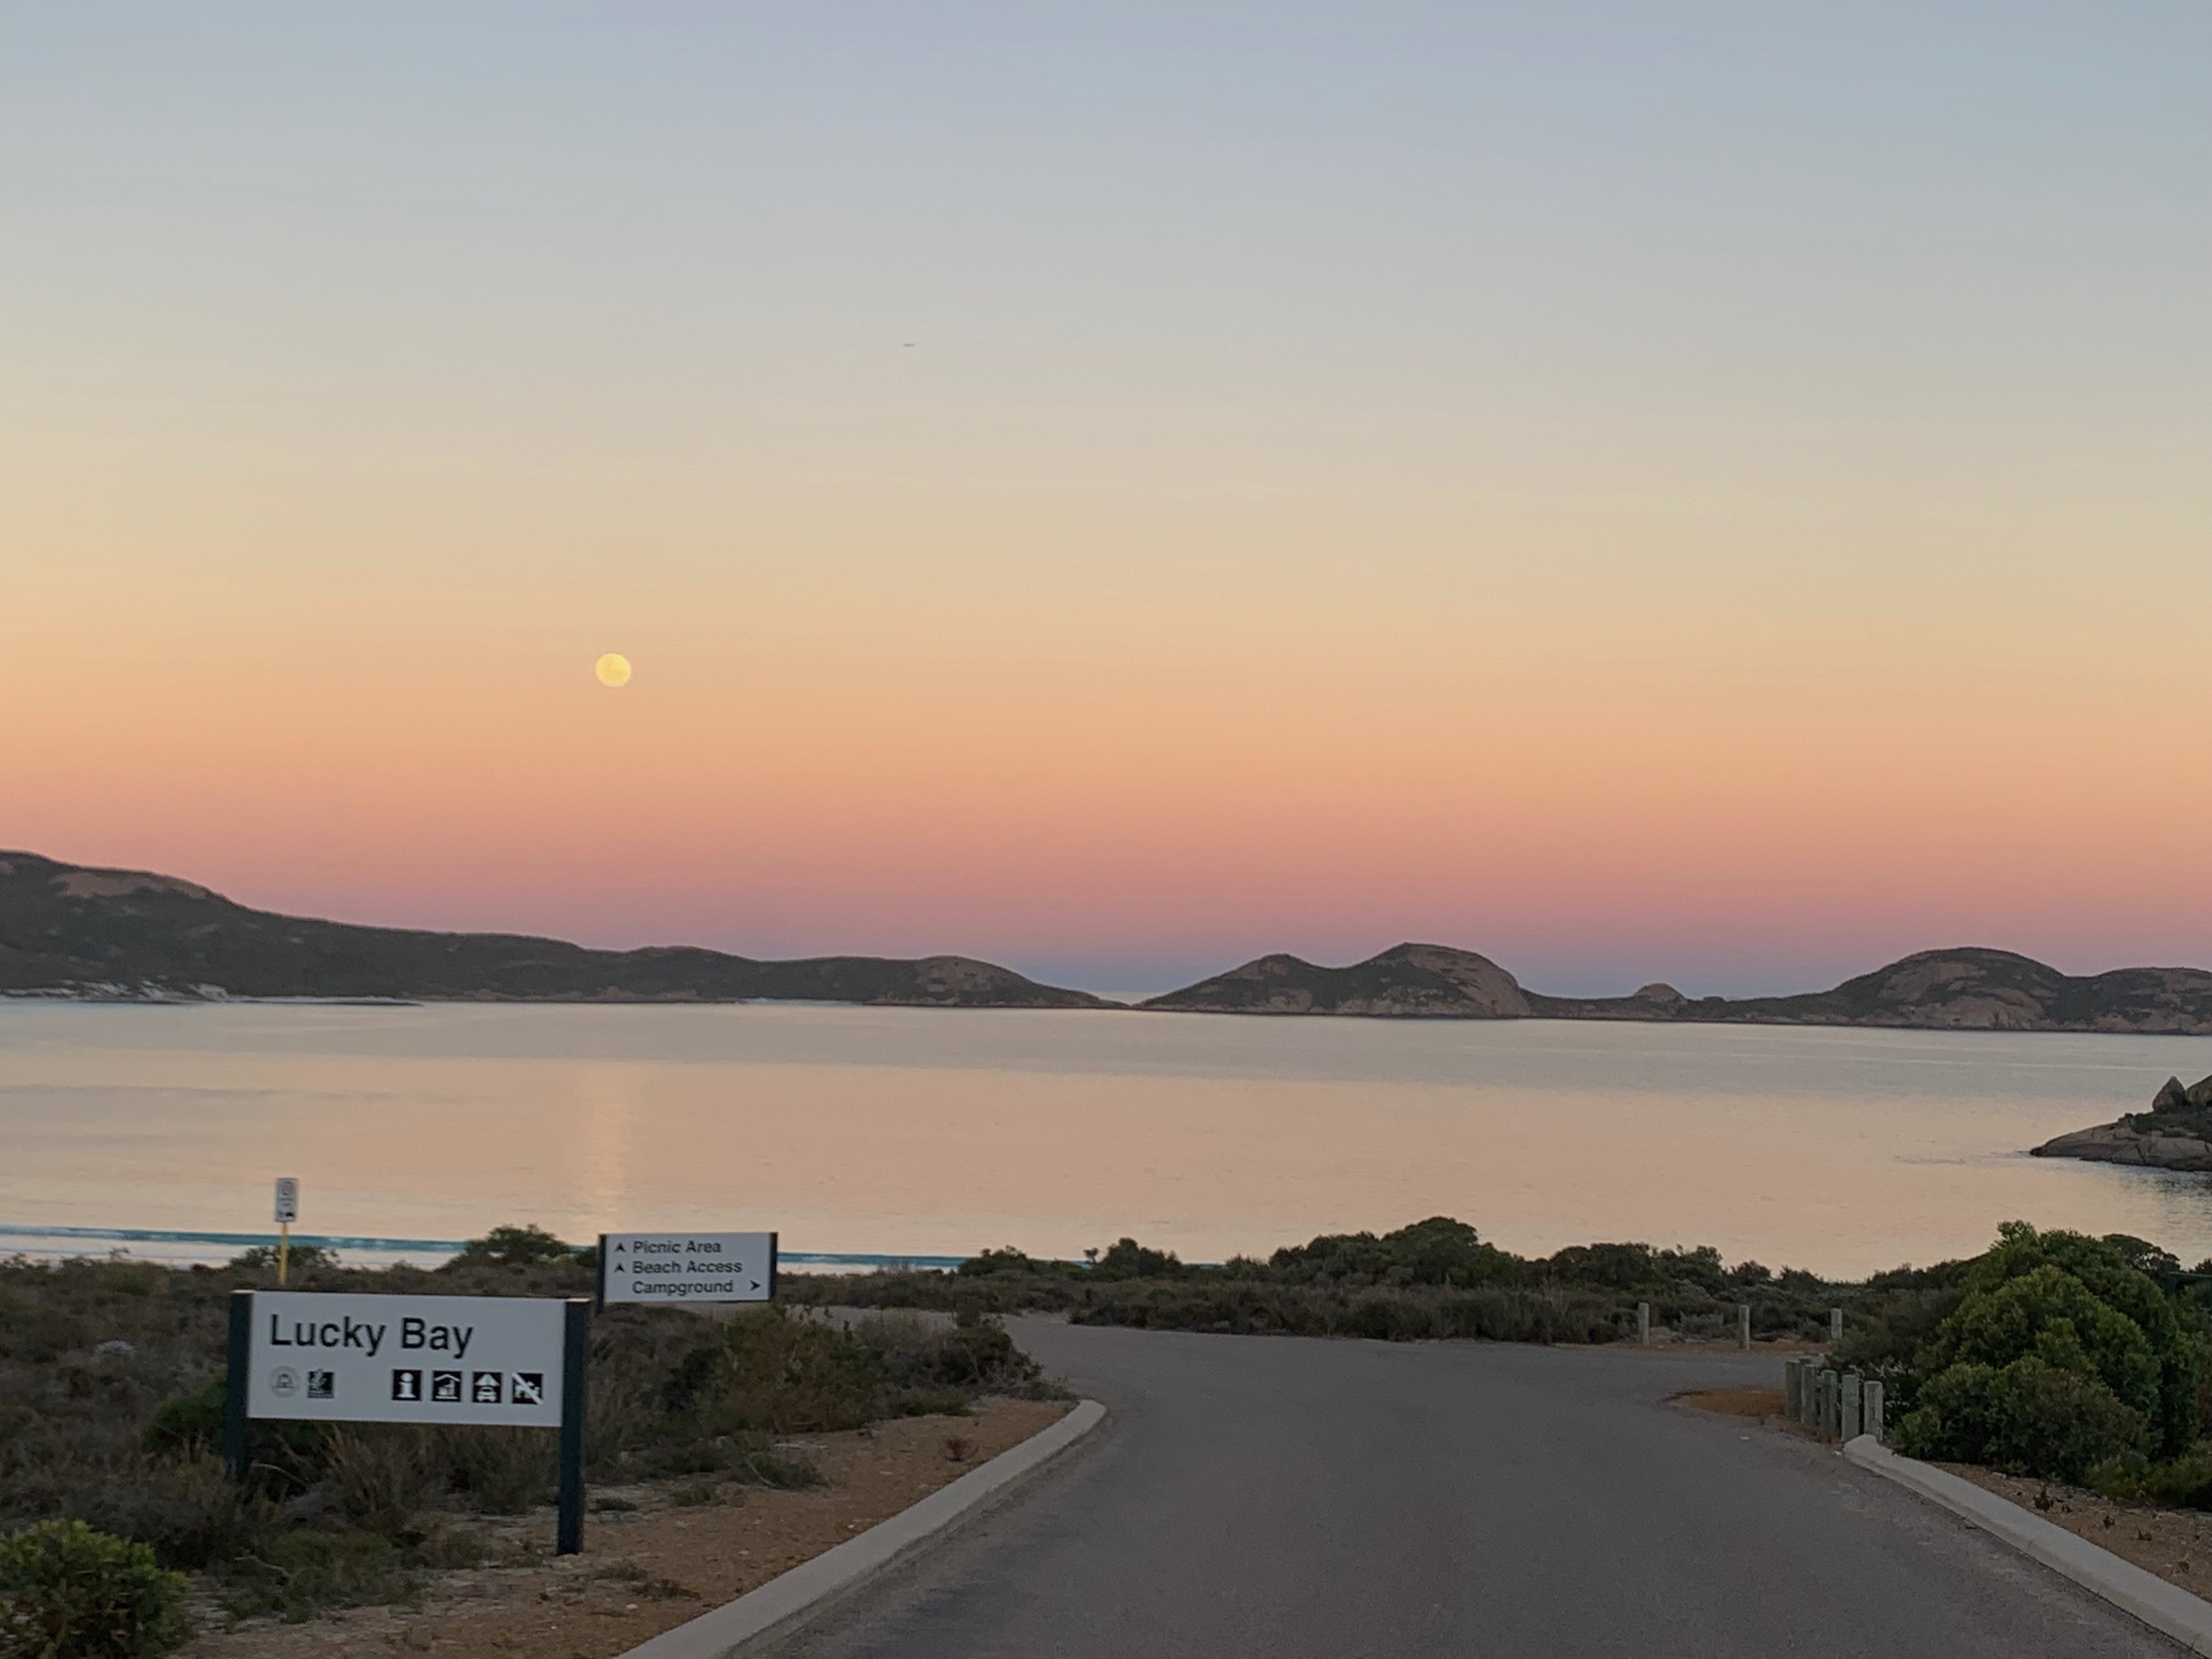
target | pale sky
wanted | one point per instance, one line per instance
(1715, 492)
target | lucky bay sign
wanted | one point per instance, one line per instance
(335, 1357)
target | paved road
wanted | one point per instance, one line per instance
(1284, 1498)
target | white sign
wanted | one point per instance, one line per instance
(352, 1359)
(687, 1267)
(288, 1198)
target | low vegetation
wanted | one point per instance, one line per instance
(110, 1409)
(2051, 1354)
(1435, 1279)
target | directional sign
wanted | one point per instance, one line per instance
(687, 1267)
(351, 1358)
(287, 1199)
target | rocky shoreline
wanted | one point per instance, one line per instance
(2176, 1133)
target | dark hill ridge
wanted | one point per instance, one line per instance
(1966, 988)
(67, 929)
(1415, 981)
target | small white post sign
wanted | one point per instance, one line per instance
(343, 1358)
(686, 1267)
(288, 1199)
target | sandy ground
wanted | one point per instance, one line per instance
(647, 1570)
(2175, 1544)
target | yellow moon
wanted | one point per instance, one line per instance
(613, 668)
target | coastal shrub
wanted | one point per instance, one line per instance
(68, 1592)
(383, 1475)
(503, 1470)
(2027, 1418)
(1006, 1260)
(303, 1573)
(260, 1259)
(1126, 1259)
(188, 1511)
(976, 1355)
(1437, 1251)
(2061, 1354)
(524, 1246)
(187, 1422)
(1887, 1331)
(792, 1374)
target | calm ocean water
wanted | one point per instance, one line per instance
(930, 1132)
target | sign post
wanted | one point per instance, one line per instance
(340, 1358)
(287, 1211)
(666, 1267)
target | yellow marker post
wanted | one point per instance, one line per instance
(287, 1211)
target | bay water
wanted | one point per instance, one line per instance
(930, 1133)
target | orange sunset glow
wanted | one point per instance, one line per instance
(1643, 577)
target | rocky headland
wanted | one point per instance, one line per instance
(66, 930)
(2176, 1133)
(1966, 989)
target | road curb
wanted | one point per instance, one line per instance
(2165, 1607)
(741, 1626)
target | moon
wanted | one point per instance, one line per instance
(613, 668)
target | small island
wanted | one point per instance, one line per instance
(2175, 1133)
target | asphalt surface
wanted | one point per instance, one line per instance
(1286, 1498)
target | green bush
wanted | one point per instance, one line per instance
(258, 1259)
(2062, 1355)
(1437, 1251)
(2027, 1418)
(67, 1592)
(511, 1247)
(792, 1376)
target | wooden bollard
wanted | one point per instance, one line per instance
(1743, 1326)
(1643, 1323)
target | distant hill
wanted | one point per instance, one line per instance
(1967, 989)
(68, 930)
(1411, 981)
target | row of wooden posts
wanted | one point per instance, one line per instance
(1837, 1405)
(1742, 1325)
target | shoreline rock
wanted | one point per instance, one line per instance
(2176, 1133)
